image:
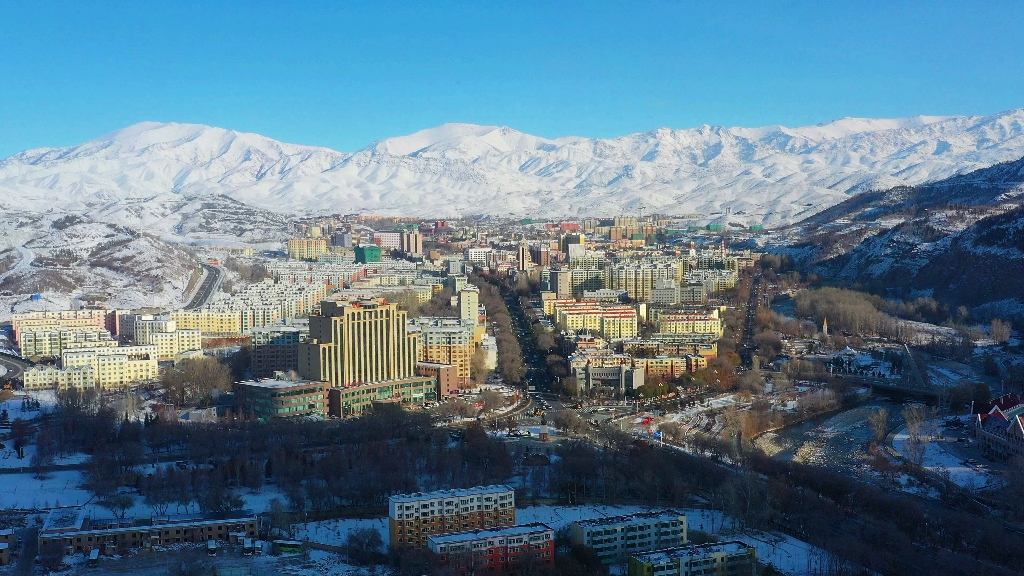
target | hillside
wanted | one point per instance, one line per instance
(70, 257)
(960, 240)
(155, 174)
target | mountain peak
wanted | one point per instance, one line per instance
(767, 175)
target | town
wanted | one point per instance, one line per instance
(639, 394)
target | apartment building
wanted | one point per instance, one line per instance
(267, 302)
(51, 343)
(114, 367)
(616, 537)
(306, 248)
(71, 531)
(613, 322)
(446, 341)
(170, 341)
(667, 292)
(687, 321)
(733, 558)
(679, 344)
(275, 349)
(713, 280)
(281, 398)
(639, 278)
(413, 518)
(59, 319)
(506, 550)
(208, 322)
(51, 377)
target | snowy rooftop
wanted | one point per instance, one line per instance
(612, 520)
(64, 519)
(280, 384)
(688, 551)
(416, 497)
(520, 530)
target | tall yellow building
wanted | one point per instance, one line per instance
(306, 248)
(365, 350)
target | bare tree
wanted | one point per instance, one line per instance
(492, 400)
(1000, 331)
(878, 420)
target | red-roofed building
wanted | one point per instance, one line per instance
(999, 426)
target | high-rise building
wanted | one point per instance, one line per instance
(275, 349)
(357, 342)
(523, 260)
(306, 248)
(367, 254)
(366, 351)
(541, 255)
(411, 243)
(469, 305)
(561, 283)
(446, 341)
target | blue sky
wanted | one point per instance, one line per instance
(343, 74)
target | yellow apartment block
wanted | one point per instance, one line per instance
(40, 343)
(113, 367)
(306, 248)
(49, 377)
(208, 322)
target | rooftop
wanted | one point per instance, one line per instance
(520, 530)
(417, 496)
(63, 519)
(610, 520)
(279, 384)
(669, 554)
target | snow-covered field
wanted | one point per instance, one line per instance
(56, 489)
(943, 463)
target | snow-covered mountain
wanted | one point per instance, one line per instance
(151, 175)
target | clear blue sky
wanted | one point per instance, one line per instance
(342, 74)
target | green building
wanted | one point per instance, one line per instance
(367, 254)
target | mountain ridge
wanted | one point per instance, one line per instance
(767, 175)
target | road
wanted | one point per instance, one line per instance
(211, 282)
(12, 367)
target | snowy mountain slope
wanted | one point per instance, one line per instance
(69, 257)
(771, 174)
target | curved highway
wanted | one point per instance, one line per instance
(14, 368)
(212, 278)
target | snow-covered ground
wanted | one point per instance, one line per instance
(938, 460)
(56, 489)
